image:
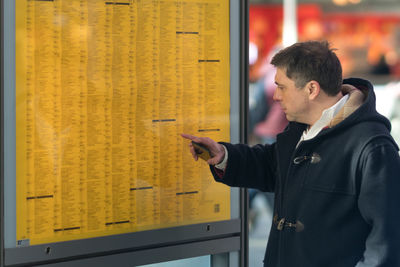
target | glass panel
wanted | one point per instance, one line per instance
(193, 262)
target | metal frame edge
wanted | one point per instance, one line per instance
(155, 255)
(117, 244)
(244, 104)
(2, 136)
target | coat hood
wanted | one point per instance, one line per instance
(360, 107)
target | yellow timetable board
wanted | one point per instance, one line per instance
(104, 89)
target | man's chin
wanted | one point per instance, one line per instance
(289, 118)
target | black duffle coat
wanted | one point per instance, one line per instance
(337, 196)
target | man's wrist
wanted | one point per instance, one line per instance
(223, 163)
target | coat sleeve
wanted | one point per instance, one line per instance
(250, 167)
(379, 203)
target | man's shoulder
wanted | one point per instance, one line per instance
(372, 133)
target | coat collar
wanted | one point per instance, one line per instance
(356, 99)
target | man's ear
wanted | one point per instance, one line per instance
(313, 89)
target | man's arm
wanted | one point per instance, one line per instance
(379, 204)
(252, 167)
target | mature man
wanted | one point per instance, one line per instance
(335, 170)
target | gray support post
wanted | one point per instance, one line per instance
(289, 22)
(1, 136)
(244, 106)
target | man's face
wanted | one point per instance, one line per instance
(294, 101)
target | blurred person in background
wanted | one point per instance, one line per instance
(266, 121)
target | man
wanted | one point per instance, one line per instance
(335, 170)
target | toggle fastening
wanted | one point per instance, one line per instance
(314, 158)
(282, 223)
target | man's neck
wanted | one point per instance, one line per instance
(324, 103)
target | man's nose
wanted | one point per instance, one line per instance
(276, 96)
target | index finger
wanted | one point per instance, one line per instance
(189, 136)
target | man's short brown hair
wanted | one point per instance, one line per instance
(311, 60)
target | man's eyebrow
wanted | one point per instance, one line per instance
(278, 83)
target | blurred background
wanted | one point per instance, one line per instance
(366, 34)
